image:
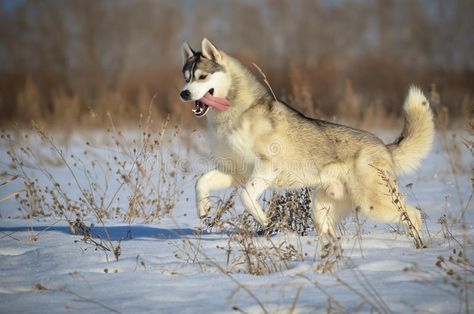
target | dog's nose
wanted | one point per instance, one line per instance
(185, 95)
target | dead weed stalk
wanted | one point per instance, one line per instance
(399, 202)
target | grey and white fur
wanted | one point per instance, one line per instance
(262, 143)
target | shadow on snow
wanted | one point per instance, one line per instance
(116, 233)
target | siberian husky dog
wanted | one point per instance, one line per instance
(260, 142)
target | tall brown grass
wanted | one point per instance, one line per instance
(317, 92)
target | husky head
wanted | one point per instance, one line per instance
(206, 80)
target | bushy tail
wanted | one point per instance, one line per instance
(417, 136)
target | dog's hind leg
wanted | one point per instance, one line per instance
(328, 212)
(379, 200)
(208, 182)
(262, 178)
(382, 208)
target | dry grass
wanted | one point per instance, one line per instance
(247, 249)
(149, 173)
(457, 266)
(398, 201)
(306, 88)
(139, 169)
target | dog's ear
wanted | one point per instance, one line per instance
(187, 52)
(210, 51)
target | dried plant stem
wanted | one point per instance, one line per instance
(92, 206)
(265, 80)
(225, 272)
(399, 202)
(9, 196)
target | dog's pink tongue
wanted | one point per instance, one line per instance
(219, 103)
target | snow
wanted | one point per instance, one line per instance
(45, 269)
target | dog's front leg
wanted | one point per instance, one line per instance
(208, 182)
(262, 178)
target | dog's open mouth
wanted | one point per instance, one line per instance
(200, 109)
(201, 106)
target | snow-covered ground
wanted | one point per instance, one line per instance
(165, 266)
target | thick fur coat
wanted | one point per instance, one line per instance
(260, 143)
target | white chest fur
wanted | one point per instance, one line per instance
(234, 146)
(240, 141)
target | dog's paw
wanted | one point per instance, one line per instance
(203, 207)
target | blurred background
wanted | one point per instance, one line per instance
(73, 62)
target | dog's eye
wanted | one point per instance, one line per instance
(202, 76)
